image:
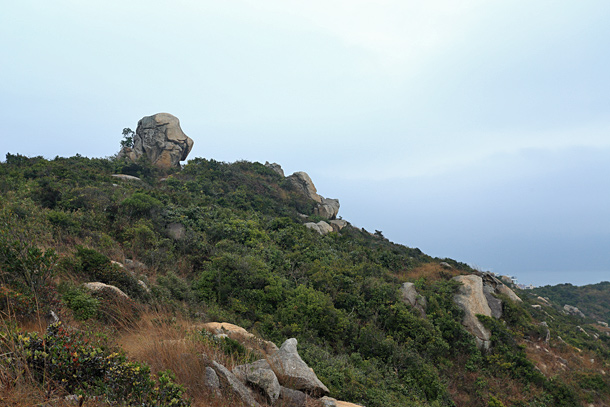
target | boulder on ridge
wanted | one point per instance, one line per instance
(159, 138)
(471, 298)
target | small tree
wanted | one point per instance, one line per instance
(127, 137)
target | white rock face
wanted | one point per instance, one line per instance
(471, 299)
(412, 297)
(303, 183)
(338, 224)
(328, 208)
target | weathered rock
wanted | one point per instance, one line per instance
(572, 310)
(602, 323)
(506, 279)
(292, 398)
(229, 381)
(321, 227)
(495, 304)
(242, 336)
(328, 208)
(445, 265)
(471, 299)
(144, 286)
(338, 224)
(547, 331)
(293, 372)
(211, 379)
(125, 177)
(331, 402)
(260, 377)
(275, 167)
(160, 138)
(413, 298)
(543, 300)
(176, 231)
(97, 286)
(304, 185)
(503, 289)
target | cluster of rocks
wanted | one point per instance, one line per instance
(325, 207)
(477, 295)
(281, 378)
(159, 138)
(572, 310)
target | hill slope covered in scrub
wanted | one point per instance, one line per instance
(592, 299)
(241, 254)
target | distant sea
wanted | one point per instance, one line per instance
(542, 278)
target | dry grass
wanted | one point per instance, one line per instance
(429, 271)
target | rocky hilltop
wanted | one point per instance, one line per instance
(138, 281)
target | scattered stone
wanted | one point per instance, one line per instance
(572, 310)
(328, 208)
(413, 298)
(159, 138)
(602, 323)
(97, 286)
(229, 381)
(242, 336)
(547, 331)
(260, 377)
(211, 379)
(134, 265)
(446, 265)
(292, 398)
(471, 299)
(275, 167)
(125, 177)
(51, 318)
(338, 224)
(321, 227)
(506, 279)
(536, 306)
(582, 330)
(144, 286)
(176, 231)
(543, 300)
(331, 402)
(292, 371)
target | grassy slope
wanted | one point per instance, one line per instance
(247, 259)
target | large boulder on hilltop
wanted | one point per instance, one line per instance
(275, 167)
(97, 286)
(471, 298)
(293, 372)
(159, 138)
(328, 208)
(304, 185)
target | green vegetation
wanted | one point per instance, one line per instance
(593, 299)
(246, 258)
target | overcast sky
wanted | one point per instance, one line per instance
(477, 130)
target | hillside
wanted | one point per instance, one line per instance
(226, 242)
(592, 299)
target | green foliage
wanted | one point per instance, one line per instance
(82, 304)
(127, 137)
(593, 299)
(25, 265)
(67, 359)
(140, 204)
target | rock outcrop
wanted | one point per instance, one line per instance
(228, 380)
(413, 298)
(293, 372)
(471, 299)
(260, 376)
(97, 286)
(331, 402)
(338, 224)
(321, 227)
(242, 336)
(159, 138)
(572, 310)
(275, 167)
(326, 207)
